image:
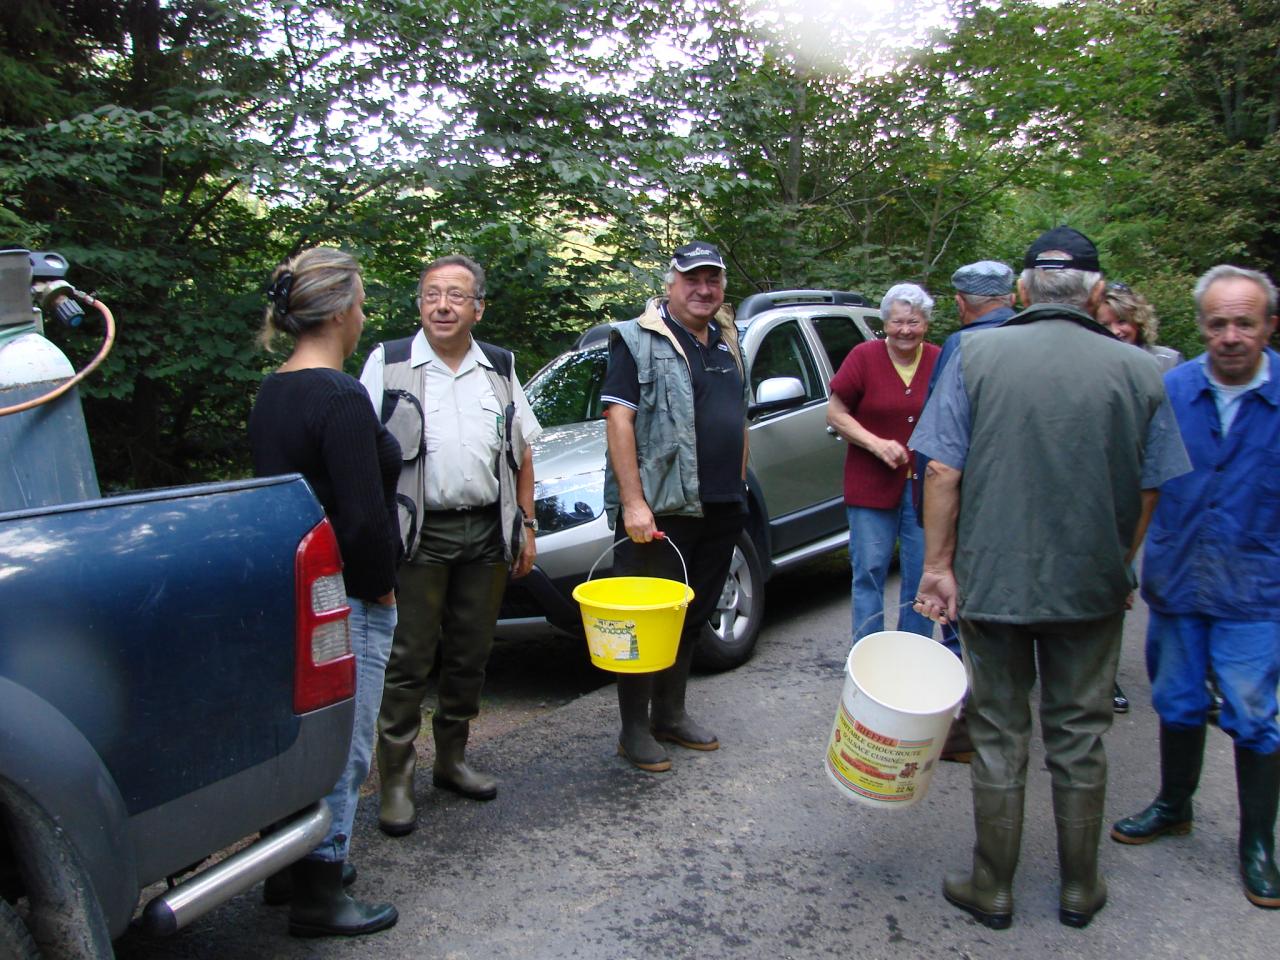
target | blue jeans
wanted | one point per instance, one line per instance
(1244, 656)
(872, 535)
(371, 625)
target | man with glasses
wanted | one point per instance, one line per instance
(675, 396)
(466, 515)
(1048, 440)
(1211, 575)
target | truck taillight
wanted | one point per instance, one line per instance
(324, 667)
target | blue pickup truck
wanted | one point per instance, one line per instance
(175, 676)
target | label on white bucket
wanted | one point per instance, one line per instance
(874, 765)
(611, 639)
(900, 694)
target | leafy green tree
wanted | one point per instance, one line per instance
(175, 150)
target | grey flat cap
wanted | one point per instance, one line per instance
(986, 278)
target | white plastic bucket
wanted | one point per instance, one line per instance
(901, 692)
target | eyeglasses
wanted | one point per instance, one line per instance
(1119, 287)
(913, 323)
(432, 296)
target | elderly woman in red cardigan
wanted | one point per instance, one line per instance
(876, 399)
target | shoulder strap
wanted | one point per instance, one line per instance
(503, 360)
(397, 351)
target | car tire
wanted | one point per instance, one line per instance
(729, 638)
(15, 939)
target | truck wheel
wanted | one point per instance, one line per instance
(15, 940)
(729, 639)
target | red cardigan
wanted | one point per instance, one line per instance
(870, 387)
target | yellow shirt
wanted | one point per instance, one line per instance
(908, 372)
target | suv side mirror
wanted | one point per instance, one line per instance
(777, 393)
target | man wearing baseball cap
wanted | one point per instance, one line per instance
(678, 364)
(1062, 436)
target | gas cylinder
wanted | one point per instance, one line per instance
(45, 457)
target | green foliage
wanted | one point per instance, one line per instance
(176, 150)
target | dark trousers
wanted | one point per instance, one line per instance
(449, 594)
(706, 543)
(1076, 664)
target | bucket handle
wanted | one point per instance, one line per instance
(658, 535)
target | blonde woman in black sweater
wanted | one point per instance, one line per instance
(313, 419)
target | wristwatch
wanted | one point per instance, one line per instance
(531, 523)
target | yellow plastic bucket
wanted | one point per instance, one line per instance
(632, 624)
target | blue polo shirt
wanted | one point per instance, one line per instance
(1213, 548)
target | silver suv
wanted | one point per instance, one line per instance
(793, 341)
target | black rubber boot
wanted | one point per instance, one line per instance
(1258, 788)
(636, 742)
(986, 891)
(1181, 756)
(277, 889)
(670, 721)
(1078, 815)
(450, 770)
(321, 907)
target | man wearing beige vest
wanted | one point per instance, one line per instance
(466, 517)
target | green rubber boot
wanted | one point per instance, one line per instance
(322, 908)
(986, 891)
(1078, 815)
(399, 720)
(450, 770)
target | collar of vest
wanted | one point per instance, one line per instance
(1058, 311)
(652, 321)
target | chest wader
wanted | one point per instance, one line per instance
(458, 599)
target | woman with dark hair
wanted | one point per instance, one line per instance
(313, 419)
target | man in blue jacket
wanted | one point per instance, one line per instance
(1211, 575)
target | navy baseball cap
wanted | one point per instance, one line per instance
(696, 254)
(1080, 253)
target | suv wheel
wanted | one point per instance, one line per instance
(729, 638)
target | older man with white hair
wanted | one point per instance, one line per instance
(1211, 574)
(1062, 435)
